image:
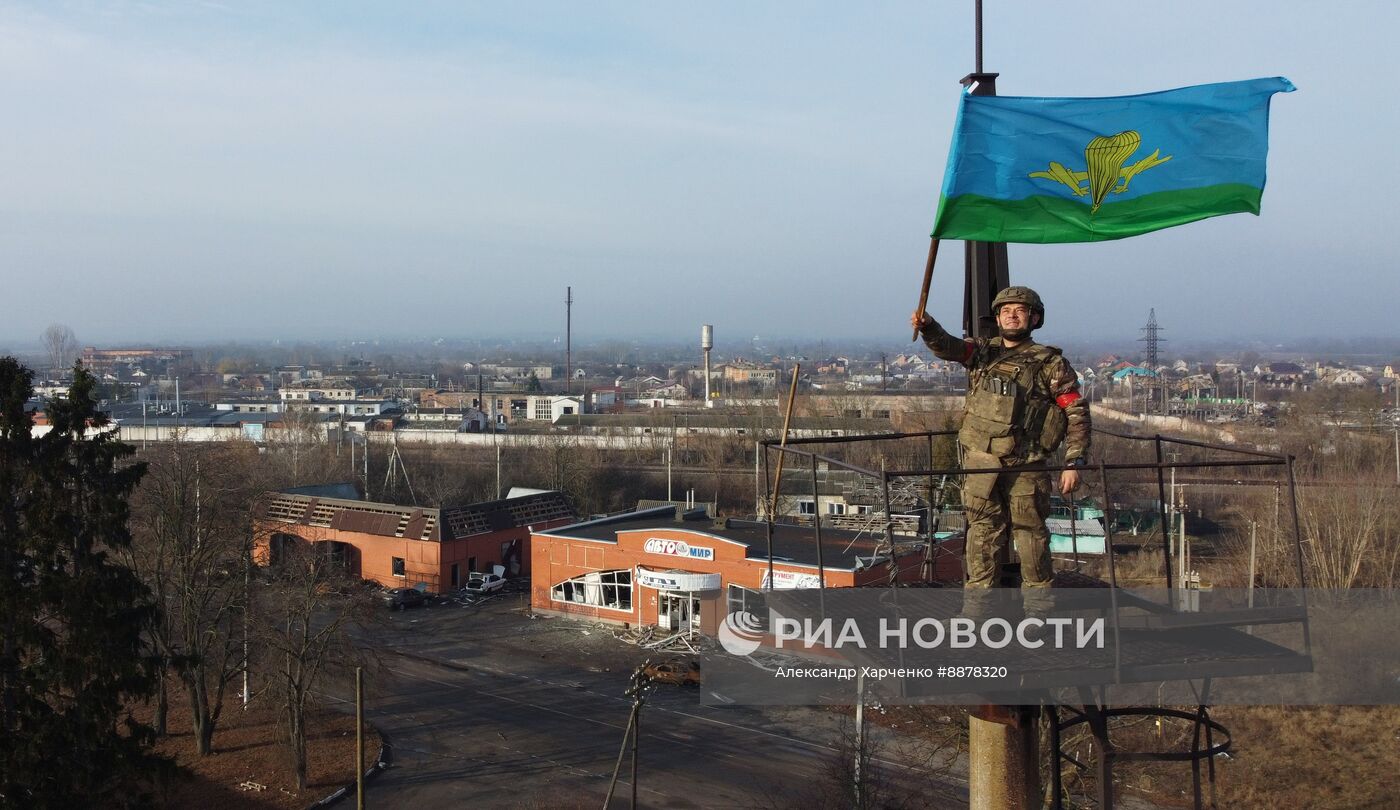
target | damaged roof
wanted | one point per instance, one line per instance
(792, 543)
(412, 522)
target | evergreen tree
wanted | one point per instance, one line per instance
(73, 657)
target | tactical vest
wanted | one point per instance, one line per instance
(1010, 412)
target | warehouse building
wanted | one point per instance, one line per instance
(407, 546)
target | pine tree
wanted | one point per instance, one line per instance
(73, 658)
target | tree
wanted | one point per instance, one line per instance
(74, 655)
(191, 518)
(61, 344)
(308, 614)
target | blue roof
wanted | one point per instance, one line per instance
(1134, 371)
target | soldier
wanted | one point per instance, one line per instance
(1023, 402)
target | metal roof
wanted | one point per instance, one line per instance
(793, 544)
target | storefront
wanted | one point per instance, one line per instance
(679, 574)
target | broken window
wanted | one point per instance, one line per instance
(609, 589)
(398, 566)
(741, 599)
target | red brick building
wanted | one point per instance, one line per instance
(402, 546)
(682, 571)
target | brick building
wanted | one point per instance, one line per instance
(401, 546)
(683, 570)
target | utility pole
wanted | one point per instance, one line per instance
(359, 738)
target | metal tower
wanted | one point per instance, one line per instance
(1151, 339)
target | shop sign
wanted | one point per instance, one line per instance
(791, 580)
(678, 548)
(677, 580)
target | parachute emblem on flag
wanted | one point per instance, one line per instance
(1104, 157)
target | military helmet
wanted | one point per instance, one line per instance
(1020, 295)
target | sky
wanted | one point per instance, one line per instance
(209, 171)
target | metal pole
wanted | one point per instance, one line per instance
(1074, 530)
(817, 526)
(1172, 528)
(1109, 518)
(1162, 509)
(889, 521)
(757, 488)
(857, 783)
(498, 472)
(1252, 527)
(787, 420)
(359, 738)
(1297, 529)
(977, 33)
(1186, 551)
(768, 513)
(668, 473)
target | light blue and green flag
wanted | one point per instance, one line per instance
(1087, 169)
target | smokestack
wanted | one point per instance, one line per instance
(707, 342)
(568, 338)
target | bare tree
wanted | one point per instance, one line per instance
(309, 612)
(191, 519)
(61, 345)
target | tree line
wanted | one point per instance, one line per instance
(124, 577)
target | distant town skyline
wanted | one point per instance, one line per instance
(192, 173)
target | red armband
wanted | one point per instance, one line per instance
(1066, 400)
(971, 350)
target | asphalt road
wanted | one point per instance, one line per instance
(485, 706)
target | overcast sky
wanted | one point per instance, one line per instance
(206, 171)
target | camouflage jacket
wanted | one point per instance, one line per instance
(1047, 382)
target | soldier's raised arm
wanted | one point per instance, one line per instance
(943, 345)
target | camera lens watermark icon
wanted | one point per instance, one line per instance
(740, 633)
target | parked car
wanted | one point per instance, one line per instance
(400, 598)
(480, 584)
(676, 672)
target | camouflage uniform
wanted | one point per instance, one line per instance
(1022, 404)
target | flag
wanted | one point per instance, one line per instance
(1025, 169)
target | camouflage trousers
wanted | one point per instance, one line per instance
(998, 505)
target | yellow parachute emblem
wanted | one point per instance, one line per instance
(1104, 157)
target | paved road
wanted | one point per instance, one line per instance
(485, 706)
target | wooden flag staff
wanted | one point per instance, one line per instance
(928, 277)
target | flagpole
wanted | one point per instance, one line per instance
(928, 278)
(977, 32)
